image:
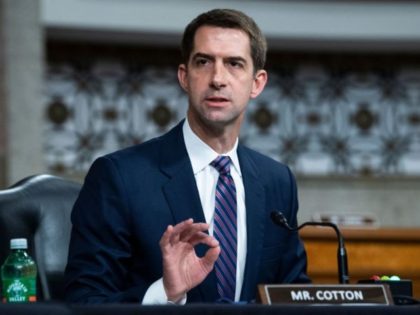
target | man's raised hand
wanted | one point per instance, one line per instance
(182, 268)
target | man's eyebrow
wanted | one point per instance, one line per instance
(236, 58)
(202, 55)
(210, 57)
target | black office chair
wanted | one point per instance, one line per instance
(38, 208)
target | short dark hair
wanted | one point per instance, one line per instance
(227, 18)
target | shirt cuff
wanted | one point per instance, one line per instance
(156, 294)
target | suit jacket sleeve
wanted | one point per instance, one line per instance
(283, 258)
(100, 249)
(296, 257)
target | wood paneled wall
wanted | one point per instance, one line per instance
(382, 251)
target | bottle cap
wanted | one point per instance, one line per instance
(375, 278)
(18, 243)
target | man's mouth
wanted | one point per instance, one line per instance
(216, 100)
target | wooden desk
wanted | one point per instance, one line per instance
(370, 251)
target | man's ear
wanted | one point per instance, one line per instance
(183, 76)
(260, 80)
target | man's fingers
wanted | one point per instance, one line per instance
(192, 230)
(172, 232)
(183, 232)
(164, 240)
(203, 238)
(178, 229)
(210, 257)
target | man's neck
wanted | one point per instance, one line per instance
(220, 139)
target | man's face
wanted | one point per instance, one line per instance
(220, 78)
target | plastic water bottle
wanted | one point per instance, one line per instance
(18, 274)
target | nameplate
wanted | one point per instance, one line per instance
(325, 294)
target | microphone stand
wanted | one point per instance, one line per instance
(343, 275)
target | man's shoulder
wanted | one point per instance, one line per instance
(138, 150)
(266, 168)
(262, 161)
(136, 155)
(149, 150)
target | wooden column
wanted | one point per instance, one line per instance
(21, 86)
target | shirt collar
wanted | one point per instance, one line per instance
(201, 154)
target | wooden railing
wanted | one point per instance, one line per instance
(379, 251)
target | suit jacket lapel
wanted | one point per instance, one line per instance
(182, 195)
(180, 189)
(255, 211)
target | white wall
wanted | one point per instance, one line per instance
(392, 201)
(334, 25)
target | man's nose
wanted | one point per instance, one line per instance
(218, 79)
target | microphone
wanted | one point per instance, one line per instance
(343, 275)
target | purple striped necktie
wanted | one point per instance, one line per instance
(225, 228)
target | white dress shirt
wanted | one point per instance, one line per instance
(206, 176)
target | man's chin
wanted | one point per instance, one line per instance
(217, 119)
(219, 122)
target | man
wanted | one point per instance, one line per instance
(186, 217)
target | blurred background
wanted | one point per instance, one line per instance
(82, 78)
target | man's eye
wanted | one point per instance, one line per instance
(236, 64)
(201, 62)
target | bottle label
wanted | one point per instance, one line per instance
(19, 290)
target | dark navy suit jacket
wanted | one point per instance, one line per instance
(129, 198)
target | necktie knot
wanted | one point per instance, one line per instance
(222, 164)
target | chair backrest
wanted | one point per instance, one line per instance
(38, 208)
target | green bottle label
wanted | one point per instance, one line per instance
(19, 290)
